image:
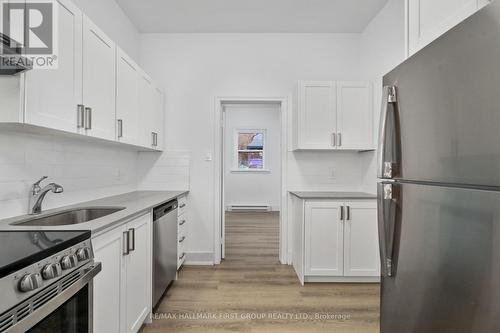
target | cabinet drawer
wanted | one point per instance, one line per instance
(182, 201)
(182, 231)
(181, 255)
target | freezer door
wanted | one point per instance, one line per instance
(442, 124)
(445, 255)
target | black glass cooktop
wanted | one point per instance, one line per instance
(19, 249)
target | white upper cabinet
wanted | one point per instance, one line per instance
(127, 99)
(52, 95)
(146, 110)
(158, 118)
(317, 115)
(98, 81)
(354, 115)
(361, 250)
(429, 19)
(334, 116)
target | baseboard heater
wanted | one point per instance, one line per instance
(249, 208)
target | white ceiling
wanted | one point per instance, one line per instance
(256, 16)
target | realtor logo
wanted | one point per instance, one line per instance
(31, 25)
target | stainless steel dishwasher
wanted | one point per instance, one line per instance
(164, 248)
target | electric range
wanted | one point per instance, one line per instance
(46, 281)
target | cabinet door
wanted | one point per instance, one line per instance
(429, 19)
(158, 117)
(317, 115)
(324, 239)
(108, 284)
(52, 96)
(139, 279)
(354, 115)
(127, 99)
(361, 251)
(146, 107)
(99, 80)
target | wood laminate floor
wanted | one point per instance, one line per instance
(252, 292)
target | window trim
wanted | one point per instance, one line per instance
(236, 150)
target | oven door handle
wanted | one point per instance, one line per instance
(42, 312)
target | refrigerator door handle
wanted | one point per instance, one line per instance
(386, 169)
(387, 216)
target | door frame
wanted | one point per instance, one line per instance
(218, 185)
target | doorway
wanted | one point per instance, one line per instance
(250, 175)
(252, 181)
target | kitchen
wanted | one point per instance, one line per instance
(127, 128)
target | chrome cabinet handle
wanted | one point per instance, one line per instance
(339, 139)
(183, 222)
(88, 118)
(341, 213)
(131, 239)
(334, 140)
(182, 205)
(126, 248)
(348, 218)
(80, 112)
(120, 128)
(182, 239)
(152, 139)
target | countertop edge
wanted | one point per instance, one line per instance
(333, 195)
(136, 203)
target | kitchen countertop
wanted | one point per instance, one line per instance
(136, 204)
(333, 195)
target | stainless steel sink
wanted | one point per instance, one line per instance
(69, 217)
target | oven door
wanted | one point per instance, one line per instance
(65, 307)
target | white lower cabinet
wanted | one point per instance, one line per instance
(182, 231)
(108, 295)
(361, 250)
(339, 241)
(324, 239)
(122, 291)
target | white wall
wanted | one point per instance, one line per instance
(109, 16)
(196, 68)
(253, 188)
(87, 171)
(382, 49)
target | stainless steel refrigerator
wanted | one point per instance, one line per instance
(439, 188)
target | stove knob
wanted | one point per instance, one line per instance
(69, 261)
(83, 254)
(30, 282)
(51, 271)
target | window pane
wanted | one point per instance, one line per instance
(250, 141)
(254, 160)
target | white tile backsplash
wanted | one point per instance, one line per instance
(87, 171)
(168, 171)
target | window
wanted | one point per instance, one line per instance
(250, 150)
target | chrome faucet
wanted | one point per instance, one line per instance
(37, 194)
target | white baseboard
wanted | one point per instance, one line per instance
(342, 279)
(199, 258)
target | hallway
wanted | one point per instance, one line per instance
(251, 292)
